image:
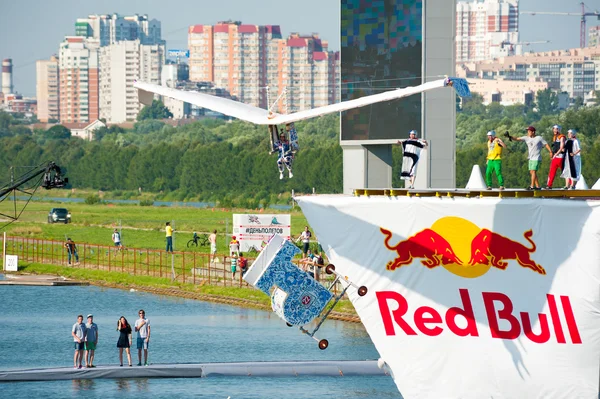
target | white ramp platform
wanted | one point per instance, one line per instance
(200, 370)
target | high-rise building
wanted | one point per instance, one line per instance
(78, 79)
(47, 89)
(486, 29)
(246, 59)
(120, 65)
(594, 36)
(112, 28)
(575, 71)
(308, 73)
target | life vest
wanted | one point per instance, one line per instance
(556, 143)
(494, 150)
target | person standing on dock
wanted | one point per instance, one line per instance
(142, 327)
(91, 340)
(124, 341)
(169, 233)
(78, 332)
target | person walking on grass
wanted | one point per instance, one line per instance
(494, 160)
(234, 246)
(169, 234)
(212, 239)
(305, 236)
(72, 251)
(116, 238)
(142, 327)
(234, 263)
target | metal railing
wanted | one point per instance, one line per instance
(183, 266)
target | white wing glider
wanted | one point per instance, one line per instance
(261, 116)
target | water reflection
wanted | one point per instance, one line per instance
(123, 385)
(83, 385)
(141, 384)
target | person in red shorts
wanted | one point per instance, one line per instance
(558, 153)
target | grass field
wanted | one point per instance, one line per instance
(142, 226)
(247, 296)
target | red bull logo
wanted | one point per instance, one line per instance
(452, 239)
(504, 321)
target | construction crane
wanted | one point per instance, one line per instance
(583, 16)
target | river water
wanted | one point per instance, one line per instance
(35, 331)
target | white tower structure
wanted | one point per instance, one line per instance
(7, 79)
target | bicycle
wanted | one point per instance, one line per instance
(202, 240)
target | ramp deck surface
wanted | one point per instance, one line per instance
(200, 370)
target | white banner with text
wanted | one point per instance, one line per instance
(473, 297)
(254, 230)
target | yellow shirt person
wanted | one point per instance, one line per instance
(495, 148)
(169, 232)
(494, 160)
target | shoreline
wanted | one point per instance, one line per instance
(178, 292)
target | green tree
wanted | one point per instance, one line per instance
(473, 105)
(156, 111)
(58, 132)
(494, 110)
(547, 102)
(5, 121)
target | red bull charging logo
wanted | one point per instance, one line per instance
(468, 251)
(462, 248)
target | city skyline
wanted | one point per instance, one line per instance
(25, 43)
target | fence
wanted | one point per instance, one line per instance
(183, 266)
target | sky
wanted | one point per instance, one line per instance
(32, 29)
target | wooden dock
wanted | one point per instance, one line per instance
(39, 280)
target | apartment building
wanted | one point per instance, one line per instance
(507, 92)
(47, 89)
(594, 36)
(121, 64)
(486, 29)
(574, 71)
(78, 79)
(308, 73)
(112, 28)
(246, 59)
